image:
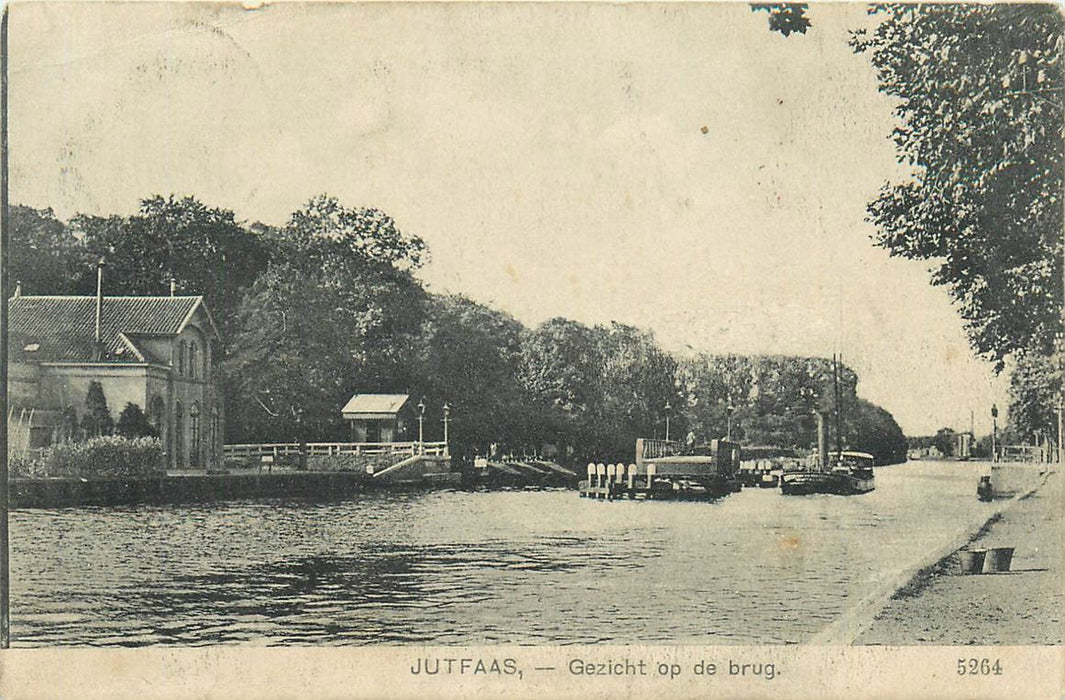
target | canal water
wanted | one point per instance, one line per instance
(453, 567)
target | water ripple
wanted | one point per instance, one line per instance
(461, 568)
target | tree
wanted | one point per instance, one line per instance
(944, 441)
(1035, 388)
(872, 429)
(97, 420)
(785, 18)
(133, 422)
(205, 250)
(45, 257)
(468, 357)
(979, 122)
(337, 311)
(637, 381)
(559, 370)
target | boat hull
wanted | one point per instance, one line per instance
(809, 482)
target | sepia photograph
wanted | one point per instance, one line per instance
(546, 349)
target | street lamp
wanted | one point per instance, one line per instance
(667, 407)
(729, 408)
(421, 426)
(994, 432)
(447, 412)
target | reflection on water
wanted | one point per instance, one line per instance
(473, 568)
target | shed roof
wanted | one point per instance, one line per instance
(374, 405)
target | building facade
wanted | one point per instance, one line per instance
(159, 353)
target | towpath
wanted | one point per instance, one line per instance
(943, 607)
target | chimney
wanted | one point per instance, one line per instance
(99, 306)
(18, 289)
(173, 286)
(822, 442)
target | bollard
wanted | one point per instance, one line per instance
(600, 472)
(651, 469)
(632, 475)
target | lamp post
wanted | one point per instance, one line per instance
(421, 427)
(994, 432)
(667, 408)
(729, 408)
(447, 412)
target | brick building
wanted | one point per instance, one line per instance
(156, 352)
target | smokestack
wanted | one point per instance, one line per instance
(822, 442)
(99, 306)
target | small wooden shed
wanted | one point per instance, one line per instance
(376, 417)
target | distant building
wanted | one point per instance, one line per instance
(963, 447)
(377, 417)
(157, 352)
(930, 452)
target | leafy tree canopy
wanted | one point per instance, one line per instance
(204, 249)
(45, 256)
(786, 17)
(979, 122)
(468, 357)
(336, 312)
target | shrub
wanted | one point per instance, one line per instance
(97, 419)
(133, 423)
(100, 457)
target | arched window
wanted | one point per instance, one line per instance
(181, 358)
(192, 360)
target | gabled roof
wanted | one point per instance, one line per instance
(374, 405)
(64, 327)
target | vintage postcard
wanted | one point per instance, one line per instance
(384, 350)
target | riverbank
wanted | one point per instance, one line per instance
(200, 487)
(940, 606)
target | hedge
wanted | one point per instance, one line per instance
(99, 457)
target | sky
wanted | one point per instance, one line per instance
(679, 168)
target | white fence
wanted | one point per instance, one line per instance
(281, 449)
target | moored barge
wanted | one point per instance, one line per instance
(666, 470)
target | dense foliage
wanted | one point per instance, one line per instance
(785, 17)
(98, 457)
(328, 305)
(979, 123)
(774, 400)
(336, 312)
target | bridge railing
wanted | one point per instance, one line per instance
(648, 448)
(283, 449)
